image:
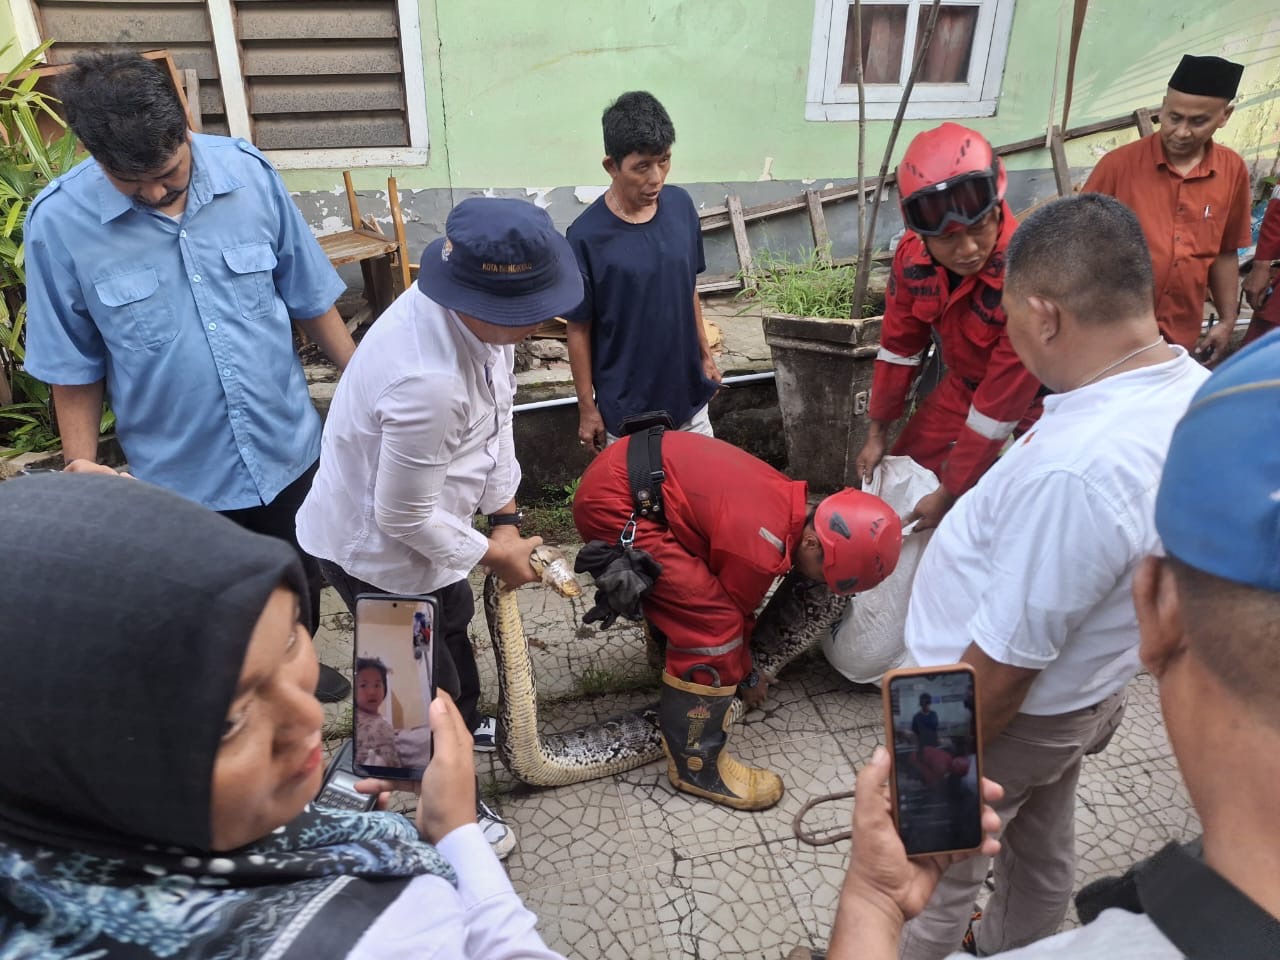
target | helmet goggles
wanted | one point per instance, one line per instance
(956, 203)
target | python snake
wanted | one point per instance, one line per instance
(794, 620)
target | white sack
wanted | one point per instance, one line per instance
(868, 640)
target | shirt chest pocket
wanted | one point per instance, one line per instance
(145, 308)
(251, 267)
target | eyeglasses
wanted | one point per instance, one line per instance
(961, 202)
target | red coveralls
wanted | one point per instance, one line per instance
(732, 523)
(960, 427)
(1268, 318)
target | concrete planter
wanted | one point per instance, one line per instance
(824, 370)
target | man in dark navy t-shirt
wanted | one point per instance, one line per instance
(637, 342)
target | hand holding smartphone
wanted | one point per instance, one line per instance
(393, 684)
(935, 744)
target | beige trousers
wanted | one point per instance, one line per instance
(700, 422)
(1037, 761)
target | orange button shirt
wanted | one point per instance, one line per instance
(1188, 221)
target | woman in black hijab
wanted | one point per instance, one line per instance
(163, 745)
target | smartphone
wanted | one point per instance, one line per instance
(931, 722)
(393, 681)
(339, 788)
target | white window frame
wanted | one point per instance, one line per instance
(826, 98)
(235, 94)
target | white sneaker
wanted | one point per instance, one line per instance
(486, 735)
(500, 836)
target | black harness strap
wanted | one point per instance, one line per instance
(644, 471)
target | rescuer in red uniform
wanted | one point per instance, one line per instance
(729, 525)
(946, 283)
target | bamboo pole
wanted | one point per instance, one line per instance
(864, 258)
(860, 285)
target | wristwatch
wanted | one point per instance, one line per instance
(499, 519)
(751, 680)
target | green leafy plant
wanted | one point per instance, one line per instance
(30, 157)
(806, 287)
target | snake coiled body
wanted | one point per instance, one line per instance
(795, 619)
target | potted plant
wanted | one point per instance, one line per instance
(35, 147)
(822, 358)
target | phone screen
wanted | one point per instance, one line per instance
(393, 684)
(937, 769)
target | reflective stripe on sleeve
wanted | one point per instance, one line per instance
(987, 427)
(888, 356)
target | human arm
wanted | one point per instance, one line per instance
(882, 888)
(422, 419)
(330, 333)
(1268, 249)
(591, 432)
(903, 342)
(79, 410)
(999, 403)
(1002, 688)
(709, 368)
(1224, 287)
(483, 916)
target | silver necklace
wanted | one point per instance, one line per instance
(617, 207)
(1125, 359)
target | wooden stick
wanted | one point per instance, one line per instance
(860, 278)
(397, 222)
(740, 240)
(864, 261)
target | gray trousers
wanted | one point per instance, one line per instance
(1037, 761)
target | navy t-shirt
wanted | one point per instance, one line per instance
(638, 280)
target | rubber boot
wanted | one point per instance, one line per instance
(695, 721)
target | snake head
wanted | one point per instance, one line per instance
(553, 566)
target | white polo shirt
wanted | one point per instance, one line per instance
(1035, 563)
(417, 440)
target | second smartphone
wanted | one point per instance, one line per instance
(931, 723)
(393, 684)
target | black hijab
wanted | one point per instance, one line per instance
(126, 619)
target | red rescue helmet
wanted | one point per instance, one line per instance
(861, 538)
(949, 178)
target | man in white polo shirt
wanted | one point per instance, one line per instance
(419, 435)
(1028, 578)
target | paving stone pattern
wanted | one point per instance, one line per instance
(626, 867)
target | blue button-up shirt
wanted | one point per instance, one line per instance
(188, 320)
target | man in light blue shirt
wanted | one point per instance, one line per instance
(163, 273)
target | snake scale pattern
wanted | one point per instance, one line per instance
(796, 617)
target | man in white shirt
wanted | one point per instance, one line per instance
(418, 438)
(1208, 615)
(1028, 577)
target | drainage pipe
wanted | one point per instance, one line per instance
(566, 401)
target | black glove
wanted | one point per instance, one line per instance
(623, 576)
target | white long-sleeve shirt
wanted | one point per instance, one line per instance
(417, 440)
(483, 919)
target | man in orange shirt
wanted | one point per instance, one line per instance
(1191, 196)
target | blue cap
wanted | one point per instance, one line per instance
(501, 261)
(1218, 509)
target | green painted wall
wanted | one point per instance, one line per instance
(515, 90)
(7, 37)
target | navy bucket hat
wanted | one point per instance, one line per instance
(1230, 434)
(501, 261)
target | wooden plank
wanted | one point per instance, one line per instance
(740, 241)
(191, 86)
(108, 23)
(718, 283)
(315, 131)
(326, 94)
(818, 224)
(1142, 117)
(356, 19)
(717, 217)
(1058, 153)
(334, 58)
(351, 246)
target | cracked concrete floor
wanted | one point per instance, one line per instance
(625, 867)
